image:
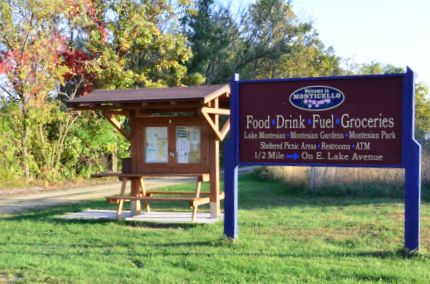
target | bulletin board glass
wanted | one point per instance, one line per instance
(156, 146)
(188, 144)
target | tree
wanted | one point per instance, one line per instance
(282, 45)
(209, 30)
(267, 42)
(29, 44)
(144, 49)
(375, 68)
(44, 59)
(307, 58)
(422, 110)
(422, 104)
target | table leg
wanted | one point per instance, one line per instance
(121, 201)
(135, 191)
(143, 192)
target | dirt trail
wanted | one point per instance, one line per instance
(20, 203)
(16, 204)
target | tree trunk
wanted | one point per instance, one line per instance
(24, 142)
(61, 141)
(115, 158)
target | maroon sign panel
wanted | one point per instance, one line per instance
(325, 121)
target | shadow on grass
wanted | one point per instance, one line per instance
(206, 249)
(53, 215)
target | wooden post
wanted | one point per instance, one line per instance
(135, 191)
(121, 201)
(143, 193)
(214, 169)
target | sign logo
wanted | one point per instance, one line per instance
(317, 98)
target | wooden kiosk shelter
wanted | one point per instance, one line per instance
(172, 132)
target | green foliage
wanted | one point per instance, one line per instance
(10, 170)
(59, 148)
(267, 42)
(375, 68)
(422, 110)
(208, 31)
(92, 137)
(422, 103)
(141, 53)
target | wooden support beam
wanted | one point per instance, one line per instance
(220, 134)
(221, 111)
(225, 129)
(212, 125)
(219, 93)
(97, 107)
(171, 106)
(215, 206)
(150, 193)
(137, 106)
(167, 113)
(109, 116)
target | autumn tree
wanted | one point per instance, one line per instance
(44, 59)
(144, 49)
(29, 45)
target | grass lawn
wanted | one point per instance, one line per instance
(284, 236)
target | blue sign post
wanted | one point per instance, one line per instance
(348, 121)
(411, 161)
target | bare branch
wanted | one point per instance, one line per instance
(7, 92)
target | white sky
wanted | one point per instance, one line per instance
(388, 31)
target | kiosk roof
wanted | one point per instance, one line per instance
(125, 96)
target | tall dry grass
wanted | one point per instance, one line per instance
(330, 176)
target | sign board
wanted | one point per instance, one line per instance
(322, 122)
(350, 121)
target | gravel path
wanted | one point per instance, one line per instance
(16, 204)
(20, 203)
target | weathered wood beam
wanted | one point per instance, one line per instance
(220, 134)
(150, 113)
(225, 129)
(173, 106)
(218, 93)
(102, 108)
(212, 125)
(125, 107)
(109, 116)
(221, 111)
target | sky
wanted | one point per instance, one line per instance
(387, 31)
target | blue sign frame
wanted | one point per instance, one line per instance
(411, 157)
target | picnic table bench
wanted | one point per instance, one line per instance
(139, 193)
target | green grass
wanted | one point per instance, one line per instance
(285, 235)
